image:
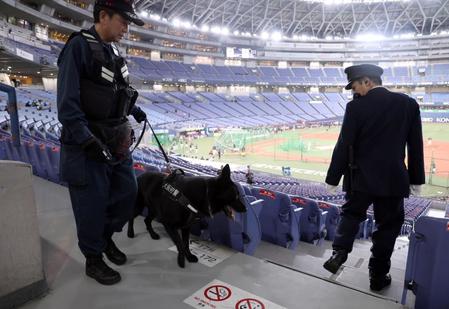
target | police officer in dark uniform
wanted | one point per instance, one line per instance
(378, 126)
(94, 99)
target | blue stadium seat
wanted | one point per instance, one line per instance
(49, 156)
(427, 271)
(3, 153)
(244, 232)
(332, 218)
(366, 227)
(312, 220)
(277, 218)
(32, 149)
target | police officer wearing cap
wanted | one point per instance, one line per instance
(378, 126)
(94, 99)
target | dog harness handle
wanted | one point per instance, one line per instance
(173, 193)
(177, 196)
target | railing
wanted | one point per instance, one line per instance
(13, 113)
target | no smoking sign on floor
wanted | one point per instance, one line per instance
(217, 293)
(249, 303)
(220, 295)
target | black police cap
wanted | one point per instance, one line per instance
(356, 72)
(123, 7)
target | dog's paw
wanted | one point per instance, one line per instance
(192, 258)
(154, 235)
(181, 261)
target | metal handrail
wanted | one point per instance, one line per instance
(13, 112)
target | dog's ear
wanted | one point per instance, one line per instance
(226, 172)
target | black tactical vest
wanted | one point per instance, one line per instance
(107, 98)
(104, 92)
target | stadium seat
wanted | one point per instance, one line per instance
(277, 218)
(49, 155)
(243, 233)
(3, 154)
(332, 218)
(366, 227)
(32, 149)
(427, 271)
(139, 168)
(312, 220)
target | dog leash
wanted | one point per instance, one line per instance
(159, 144)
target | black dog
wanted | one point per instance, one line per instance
(207, 195)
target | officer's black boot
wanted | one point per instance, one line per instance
(377, 283)
(96, 268)
(114, 254)
(336, 260)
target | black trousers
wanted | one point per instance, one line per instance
(389, 216)
(103, 203)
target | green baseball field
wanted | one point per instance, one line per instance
(308, 152)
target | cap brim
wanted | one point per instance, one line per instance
(132, 17)
(349, 86)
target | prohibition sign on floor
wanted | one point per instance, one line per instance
(217, 293)
(249, 303)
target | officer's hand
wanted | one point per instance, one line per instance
(415, 190)
(139, 114)
(96, 150)
(331, 189)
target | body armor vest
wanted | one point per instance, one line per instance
(106, 97)
(105, 92)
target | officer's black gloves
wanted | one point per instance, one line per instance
(138, 114)
(96, 150)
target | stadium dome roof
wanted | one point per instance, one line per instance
(318, 18)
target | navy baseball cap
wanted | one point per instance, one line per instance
(123, 7)
(356, 72)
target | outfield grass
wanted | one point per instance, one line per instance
(316, 153)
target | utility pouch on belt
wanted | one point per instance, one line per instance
(126, 98)
(118, 137)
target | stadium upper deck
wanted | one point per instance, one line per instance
(206, 41)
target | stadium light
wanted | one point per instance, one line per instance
(176, 22)
(370, 37)
(155, 16)
(205, 28)
(224, 31)
(144, 14)
(215, 29)
(186, 24)
(276, 36)
(265, 35)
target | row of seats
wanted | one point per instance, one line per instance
(43, 155)
(144, 69)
